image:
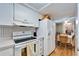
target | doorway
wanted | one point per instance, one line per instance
(65, 38)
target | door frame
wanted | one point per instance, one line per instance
(76, 30)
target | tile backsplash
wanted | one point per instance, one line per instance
(6, 32)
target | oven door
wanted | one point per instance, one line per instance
(28, 49)
(19, 48)
(23, 50)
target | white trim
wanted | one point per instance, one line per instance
(44, 7)
(36, 9)
(30, 7)
(63, 19)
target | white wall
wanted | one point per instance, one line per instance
(62, 20)
(59, 27)
(78, 27)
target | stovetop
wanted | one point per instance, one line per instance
(24, 39)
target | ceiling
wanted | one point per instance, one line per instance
(55, 10)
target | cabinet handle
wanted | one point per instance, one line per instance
(34, 47)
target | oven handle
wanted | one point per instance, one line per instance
(21, 46)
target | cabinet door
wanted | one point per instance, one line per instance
(7, 52)
(32, 48)
(36, 48)
(6, 14)
(41, 46)
(19, 12)
(22, 14)
(27, 15)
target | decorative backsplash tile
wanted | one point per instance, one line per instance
(6, 32)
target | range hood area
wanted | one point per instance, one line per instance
(22, 23)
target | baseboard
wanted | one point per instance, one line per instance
(51, 52)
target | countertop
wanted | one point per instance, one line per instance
(6, 44)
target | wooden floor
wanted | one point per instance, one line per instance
(63, 52)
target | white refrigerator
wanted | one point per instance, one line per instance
(47, 31)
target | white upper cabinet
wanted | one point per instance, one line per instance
(18, 14)
(26, 16)
(6, 14)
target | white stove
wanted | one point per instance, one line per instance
(25, 44)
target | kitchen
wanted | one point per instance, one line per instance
(29, 29)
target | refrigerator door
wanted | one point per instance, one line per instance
(51, 36)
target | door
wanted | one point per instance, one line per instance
(35, 48)
(20, 12)
(41, 46)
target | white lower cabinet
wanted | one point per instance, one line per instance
(7, 52)
(41, 46)
(34, 48)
